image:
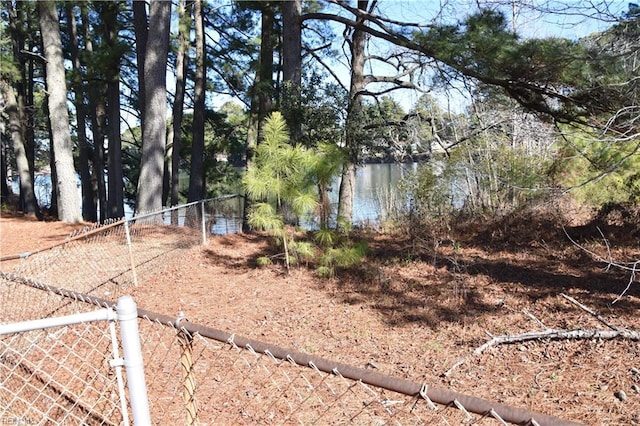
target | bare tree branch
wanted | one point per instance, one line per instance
(555, 334)
(540, 97)
(328, 68)
(632, 266)
(590, 311)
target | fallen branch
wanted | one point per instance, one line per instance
(551, 334)
(533, 317)
(555, 334)
(584, 308)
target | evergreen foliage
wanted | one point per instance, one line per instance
(285, 181)
(561, 78)
(599, 172)
(279, 179)
(489, 150)
(8, 68)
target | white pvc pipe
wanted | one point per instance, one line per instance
(204, 224)
(118, 367)
(133, 363)
(40, 324)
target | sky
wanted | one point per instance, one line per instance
(570, 19)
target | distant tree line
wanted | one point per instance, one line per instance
(85, 96)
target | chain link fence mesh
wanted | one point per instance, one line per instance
(102, 260)
(199, 379)
(191, 378)
(196, 380)
(60, 375)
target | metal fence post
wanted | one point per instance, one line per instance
(133, 363)
(204, 223)
(117, 365)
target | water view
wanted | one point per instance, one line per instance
(376, 192)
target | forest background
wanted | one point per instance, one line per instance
(512, 108)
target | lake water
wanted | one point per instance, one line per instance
(376, 191)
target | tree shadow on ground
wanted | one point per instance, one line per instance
(537, 282)
(432, 281)
(615, 224)
(560, 258)
(463, 278)
(240, 251)
(428, 302)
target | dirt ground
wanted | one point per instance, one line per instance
(420, 304)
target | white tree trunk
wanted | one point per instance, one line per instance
(67, 191)
(15, 127)
(154, 131)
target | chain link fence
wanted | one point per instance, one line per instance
(102, 260)
(220, 378)
(194, 374)
(61, 376)
(68, 370)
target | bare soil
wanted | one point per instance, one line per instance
(422, 301)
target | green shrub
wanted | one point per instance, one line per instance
(287, 179)
(600, 172)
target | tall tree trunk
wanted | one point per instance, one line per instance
(89, 208)
(197, 176)
(98, 113)
(26, 88)
(347, 184)
(18, 26)
(53, 205)
(30, 206)
(29, 113)
(98, 128)
(115, 189)
(345, 196)
(166, 168)
(68, 200)
(251, 144)
(292, 65)
(154, 131)
(182, 62)
(141, 29)
(267, 45)
(261, 93)
(5, 190)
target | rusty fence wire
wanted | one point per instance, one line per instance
(199, 375)
(194, 374)
(205, 381)
(209, 376)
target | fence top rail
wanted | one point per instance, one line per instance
(79, 236)
(181, 206)
(473, 404)
(104, 314)
(104, 227)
